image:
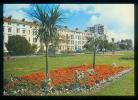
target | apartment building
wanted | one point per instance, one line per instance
(70, 39)
(19, 27)
(98, 28)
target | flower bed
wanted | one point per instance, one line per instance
(76, 78)
(66, 75)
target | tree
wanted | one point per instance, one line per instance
(18, 45)
(93, 43)
(113, 44)
(125, 44)
(53, 47)
(103, 43)
(33, 48)
(47, 21)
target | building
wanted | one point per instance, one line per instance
(98, 28)
(19, 27)
(70, 39)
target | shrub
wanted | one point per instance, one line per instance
(18, 45)
(33, 48)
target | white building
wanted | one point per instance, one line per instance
(19, 27)
(69, 39)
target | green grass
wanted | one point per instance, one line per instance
(123, 86)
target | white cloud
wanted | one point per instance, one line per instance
(16, 10)
(118, 19)
(77, 7)
(122, 13)
(93, 19)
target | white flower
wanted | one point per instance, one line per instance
(14, 92)
(4, 92)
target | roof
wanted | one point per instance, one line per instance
(18, 21)
(66, 28)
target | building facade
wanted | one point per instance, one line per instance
(70, 39)
(98, 28)
(19, 27)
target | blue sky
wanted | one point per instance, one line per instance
(117, 18)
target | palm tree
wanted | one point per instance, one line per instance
(112, 44)
(94, 43)
(47, 21)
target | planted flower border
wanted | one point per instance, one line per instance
(74, 79)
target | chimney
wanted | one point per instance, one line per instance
(23, 19)
(34, 21)
(9, 17)
(85, 30)
(65, 27)
(76, 29)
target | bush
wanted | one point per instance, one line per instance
(18, 45)
(41, 50)
(33, 48)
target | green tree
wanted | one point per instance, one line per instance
(33, 48)
(93, 44)
(47, 21)
(113, 46)
(18, 45)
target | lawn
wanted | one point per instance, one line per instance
(124, 86)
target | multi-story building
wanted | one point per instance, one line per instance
(69, 39)
(98, 28)
(19, 27)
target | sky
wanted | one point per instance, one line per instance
(118, 19)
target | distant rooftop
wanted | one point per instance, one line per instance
(23, 21)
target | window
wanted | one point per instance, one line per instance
(29, 39)
(34, 32)
(23, 25)
(18, 24)
(23, 31)
(72, 36)
(29, 31)
(33, 39)
(18, 30)
(75, 42)
(9, 29)
(9, 23)
(76, 36)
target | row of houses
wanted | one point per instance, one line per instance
(70, 39)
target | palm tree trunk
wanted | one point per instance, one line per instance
(46, 59)
(94, 57)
